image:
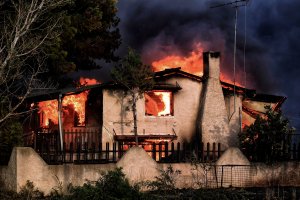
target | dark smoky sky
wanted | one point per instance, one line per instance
(156, 28)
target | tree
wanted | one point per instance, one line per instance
(136, 78)
(268, 138)
(25, 30)
(89, 33)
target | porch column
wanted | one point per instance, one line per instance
(60, 125)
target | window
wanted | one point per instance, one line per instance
(159, 103)
(73, 111)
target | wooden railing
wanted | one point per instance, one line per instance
(86, 147)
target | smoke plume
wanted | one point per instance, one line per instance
(158, 28)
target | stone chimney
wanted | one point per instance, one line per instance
(214, 125)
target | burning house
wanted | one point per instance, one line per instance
(182, 107)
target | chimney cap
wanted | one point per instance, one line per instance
(213, 54)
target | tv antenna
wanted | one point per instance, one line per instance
(236, 4)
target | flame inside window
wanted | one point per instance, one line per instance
(158, 103)
(73, 107)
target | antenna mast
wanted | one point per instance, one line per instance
(236, 4)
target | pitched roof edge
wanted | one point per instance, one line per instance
(176, 71)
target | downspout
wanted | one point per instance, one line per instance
(60, 125)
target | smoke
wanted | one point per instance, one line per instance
(158, 28)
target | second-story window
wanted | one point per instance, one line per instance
(159, 103)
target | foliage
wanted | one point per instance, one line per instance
(166, 181)
(112, 185)
(4, 195)
(25, 30)
(224, 194)
(268, 138)
(202, 194)
(10, 136)
(136, 78)
(132, 73)
(89, 32)
(199, 172)
(28, 191)
(43, 38)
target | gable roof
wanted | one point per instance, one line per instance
(42, 95)
(160, 75)
(227, 87)
(167, 73)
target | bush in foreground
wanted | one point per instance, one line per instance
(114, 185)
(111, 185)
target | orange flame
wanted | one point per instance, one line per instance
(227, 80)
(49, 112)
(166, 99)
(78, 101)
(49, 109)
(192, 64)
(158, 103)
(88, 81)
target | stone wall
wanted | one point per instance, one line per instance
(25, 164)
(232, 169)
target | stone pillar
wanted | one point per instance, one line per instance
(138, 165)
(214, 125)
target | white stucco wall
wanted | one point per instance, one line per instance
(117, 117)
(25, 164)
(186, 107)
(234, 110)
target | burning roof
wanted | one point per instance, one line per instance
(167, 73)
(44, 95)
(250, 94)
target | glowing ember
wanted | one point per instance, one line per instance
(192, 64)
(158, 103)
(49, 109)
(88, 81)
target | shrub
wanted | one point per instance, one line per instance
(29, 191)
(111, 185)
(4, 195)
(166, 181)
(224, 194)
(10, 136)
(268, 138)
